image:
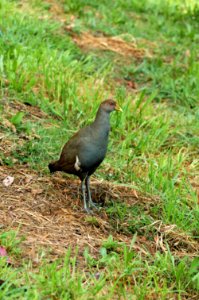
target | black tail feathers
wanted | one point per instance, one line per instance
(52, 167)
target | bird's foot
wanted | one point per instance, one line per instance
(94, 205)
(88, 210)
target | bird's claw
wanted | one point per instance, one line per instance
(94, 206)
(88, 210)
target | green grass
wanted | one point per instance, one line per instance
(117, 264)
(153, 144)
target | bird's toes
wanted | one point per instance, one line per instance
(94, 206)
(88, 210)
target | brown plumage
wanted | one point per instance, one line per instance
(85, 151)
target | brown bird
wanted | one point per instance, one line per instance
(85, 151)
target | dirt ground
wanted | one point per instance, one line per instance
(47, 210)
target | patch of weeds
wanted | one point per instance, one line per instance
(113, 271)
(193, 273)
(130, 219)
(92, 221)
(6, 160)
(110, 244)
(20, 125)
(11, 242)
(17, 119)
(127, 267)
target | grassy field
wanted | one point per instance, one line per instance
(58, 61)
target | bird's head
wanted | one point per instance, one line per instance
(110, 105)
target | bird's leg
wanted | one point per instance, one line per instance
(83, 187)
(90, 201)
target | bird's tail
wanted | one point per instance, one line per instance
(53, 167)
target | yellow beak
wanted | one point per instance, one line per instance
(118, 108)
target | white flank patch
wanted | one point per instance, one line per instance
(77, 164)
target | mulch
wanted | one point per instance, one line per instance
(48, 211)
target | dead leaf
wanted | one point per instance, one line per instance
(8, 181)
(135, 194)
(131, 84)
(3, 251)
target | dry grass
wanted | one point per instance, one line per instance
(48, 211)
(87, 41)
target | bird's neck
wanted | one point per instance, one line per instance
(102, 122)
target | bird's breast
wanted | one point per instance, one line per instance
(93, 155)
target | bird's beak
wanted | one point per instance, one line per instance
(118, 108)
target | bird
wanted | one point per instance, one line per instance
(86, 149)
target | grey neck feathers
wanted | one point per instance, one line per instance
(102, 122)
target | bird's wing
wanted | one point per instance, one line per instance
(75, 146)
